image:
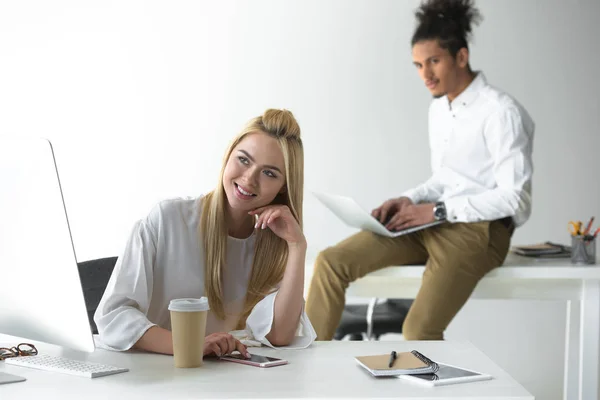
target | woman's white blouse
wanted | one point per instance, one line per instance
(164, 260)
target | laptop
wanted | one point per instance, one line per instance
(346, 209)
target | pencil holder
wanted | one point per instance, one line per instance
(583, 250)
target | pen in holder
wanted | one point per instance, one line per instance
(583, 249)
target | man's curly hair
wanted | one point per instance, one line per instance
(447, 21)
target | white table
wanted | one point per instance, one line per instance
(525, 278)
(324, 370)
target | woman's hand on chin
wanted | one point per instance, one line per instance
(279, 219)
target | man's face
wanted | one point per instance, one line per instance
(437, 68)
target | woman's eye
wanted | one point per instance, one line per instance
(270, 174)
(243, 160)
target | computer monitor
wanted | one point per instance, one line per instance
(41, 297)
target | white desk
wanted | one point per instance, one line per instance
(525, 278)
(324, 370)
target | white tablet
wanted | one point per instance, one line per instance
(447, 375)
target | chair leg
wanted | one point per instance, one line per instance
(370, 310)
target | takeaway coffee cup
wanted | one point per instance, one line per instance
(188, 326)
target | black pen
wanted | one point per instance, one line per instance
(392, 359)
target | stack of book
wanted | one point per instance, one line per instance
(543, 250)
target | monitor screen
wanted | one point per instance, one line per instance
(41, 296)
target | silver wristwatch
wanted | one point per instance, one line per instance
(439, 211)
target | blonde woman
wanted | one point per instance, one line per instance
(240, 245)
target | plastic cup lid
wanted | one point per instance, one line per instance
(189, 305)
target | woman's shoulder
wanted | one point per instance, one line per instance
(175, 210)
(178, 204)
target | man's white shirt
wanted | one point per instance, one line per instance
(481, 156)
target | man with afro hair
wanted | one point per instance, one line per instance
(481, 157)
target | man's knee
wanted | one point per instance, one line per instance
(333, 263)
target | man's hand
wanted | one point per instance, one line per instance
(411, 215)
(390, 208)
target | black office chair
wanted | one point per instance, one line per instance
(369, 322)
(94, 275)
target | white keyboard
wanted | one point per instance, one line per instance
(65, 365)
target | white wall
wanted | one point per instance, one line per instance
(141, 97)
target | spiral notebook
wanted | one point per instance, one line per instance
(404, 363)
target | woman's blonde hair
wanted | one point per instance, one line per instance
(270, 252)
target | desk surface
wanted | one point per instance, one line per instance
(514, 267)
(324, 370)
(518, 278)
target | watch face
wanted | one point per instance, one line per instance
(439, 212)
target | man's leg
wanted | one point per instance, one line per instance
(349, 260)
(459, 256)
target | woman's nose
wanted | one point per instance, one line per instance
(251, 176)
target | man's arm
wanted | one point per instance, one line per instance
(427, 192)
(510, 144)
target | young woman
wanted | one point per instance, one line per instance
(240, 245)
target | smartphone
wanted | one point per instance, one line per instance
(255, 360)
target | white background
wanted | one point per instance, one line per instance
(140, 100)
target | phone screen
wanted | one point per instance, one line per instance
(254, 358)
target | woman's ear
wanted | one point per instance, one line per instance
(283, 189)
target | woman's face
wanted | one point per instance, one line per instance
(255, 172)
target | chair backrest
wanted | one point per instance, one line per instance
(94, 276)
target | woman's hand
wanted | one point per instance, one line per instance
(280, 220)
(222, 343)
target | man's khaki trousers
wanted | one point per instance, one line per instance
(456, 257)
